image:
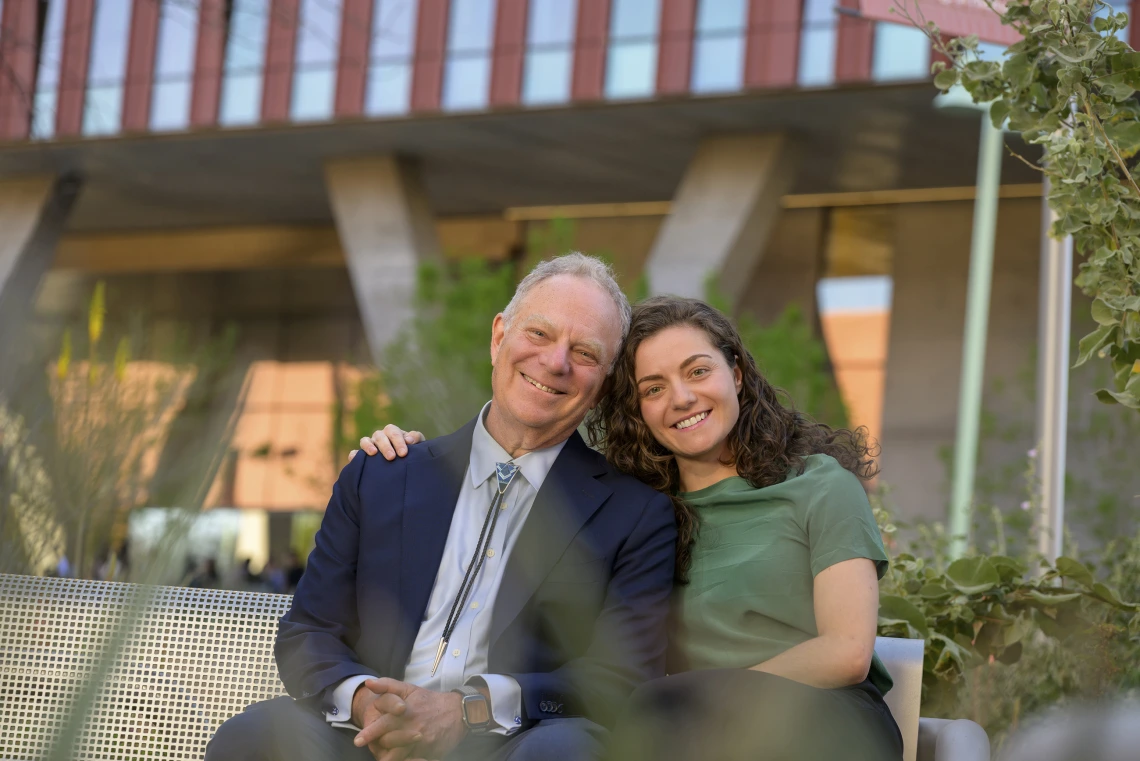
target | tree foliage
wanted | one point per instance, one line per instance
(1069, 87)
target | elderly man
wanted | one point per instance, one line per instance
(498, 592)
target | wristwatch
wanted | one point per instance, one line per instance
(476, 711)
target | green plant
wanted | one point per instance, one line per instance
(1001, 642)
(73, 471)
(1068, 87)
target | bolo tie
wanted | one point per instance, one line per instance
(504, 474)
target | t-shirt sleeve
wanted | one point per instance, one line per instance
(839, 522)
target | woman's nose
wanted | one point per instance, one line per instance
(683, 397)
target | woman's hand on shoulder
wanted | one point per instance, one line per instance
(390, 442)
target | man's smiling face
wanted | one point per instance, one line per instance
(551, 362)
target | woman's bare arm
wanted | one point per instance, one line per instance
(846, 617)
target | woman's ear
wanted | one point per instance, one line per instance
(738, 375)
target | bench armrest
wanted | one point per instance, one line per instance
(952, 740)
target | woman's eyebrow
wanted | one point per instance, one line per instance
(684, 364)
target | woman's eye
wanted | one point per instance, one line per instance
(700, 371)
(652, 390)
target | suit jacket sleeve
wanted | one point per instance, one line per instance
(314, 639)
(628, 643)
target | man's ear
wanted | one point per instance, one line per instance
(498, 333)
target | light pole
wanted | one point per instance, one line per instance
(1054, 313)
(977, 316)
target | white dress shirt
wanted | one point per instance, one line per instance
(465, 660)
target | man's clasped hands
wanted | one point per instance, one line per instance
(400, 721)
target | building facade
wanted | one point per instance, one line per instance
(287, 165)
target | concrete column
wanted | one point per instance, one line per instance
(924, 356)
(33, 211)
(387, 231)
(723, 213)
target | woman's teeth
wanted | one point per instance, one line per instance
(691, 421)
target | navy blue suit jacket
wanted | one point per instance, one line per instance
(579, 621)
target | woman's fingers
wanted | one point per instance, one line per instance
(352, 454)
(395, 438)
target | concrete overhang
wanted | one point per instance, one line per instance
(855, 138)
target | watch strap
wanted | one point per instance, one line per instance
(467, 692)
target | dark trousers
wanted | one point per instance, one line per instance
(742, 715)
(281, 730)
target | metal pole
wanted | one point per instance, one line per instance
(1053, 325)
(974, 335)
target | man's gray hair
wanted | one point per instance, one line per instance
(579, 265)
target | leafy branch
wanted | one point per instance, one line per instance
(1068, 87)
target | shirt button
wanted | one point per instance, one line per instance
(490, 553)
(455, 653)
(335, 711)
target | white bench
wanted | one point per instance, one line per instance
(195, 657)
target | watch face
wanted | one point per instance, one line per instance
(475, 710)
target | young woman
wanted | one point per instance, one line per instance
(771, 645)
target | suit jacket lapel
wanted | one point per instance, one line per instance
(431, 492)
(568, 497)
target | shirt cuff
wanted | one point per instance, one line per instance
(341, 714)
(506, 702)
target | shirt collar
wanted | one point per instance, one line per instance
(485, 452)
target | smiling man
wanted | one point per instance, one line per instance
(499, 592)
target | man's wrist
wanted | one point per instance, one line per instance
(358, 704)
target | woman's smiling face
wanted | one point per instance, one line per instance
(688, 392)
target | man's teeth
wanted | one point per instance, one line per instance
(539, 386)
(692, 421)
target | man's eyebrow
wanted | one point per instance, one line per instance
(684, 364)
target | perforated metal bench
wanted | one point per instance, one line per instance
(195, 657)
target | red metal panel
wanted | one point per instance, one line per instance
(18, 43)
(855, 45)
(1133, 29)
(431, 49)
(280, 52)
(352, 60)
(137, 85)
(772, 56)
(77, 25)
(675, 46)
(590, 41)
(209, 62)
(510, 51)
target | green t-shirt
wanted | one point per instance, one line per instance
(750, 595)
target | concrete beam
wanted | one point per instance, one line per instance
(387, 231)
(722, 215)
(33, 211)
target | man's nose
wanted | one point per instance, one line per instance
(556, 359)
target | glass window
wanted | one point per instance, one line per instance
(467, 72)
(174, 65)
(901, 52)
(103, 105)
(47, 79)
(549, 51)
(718, 51)
(390, 61)
(817, 43)
(631, 63)
(314, 72)
(245, 62)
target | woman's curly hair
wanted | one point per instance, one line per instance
(769, 441)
